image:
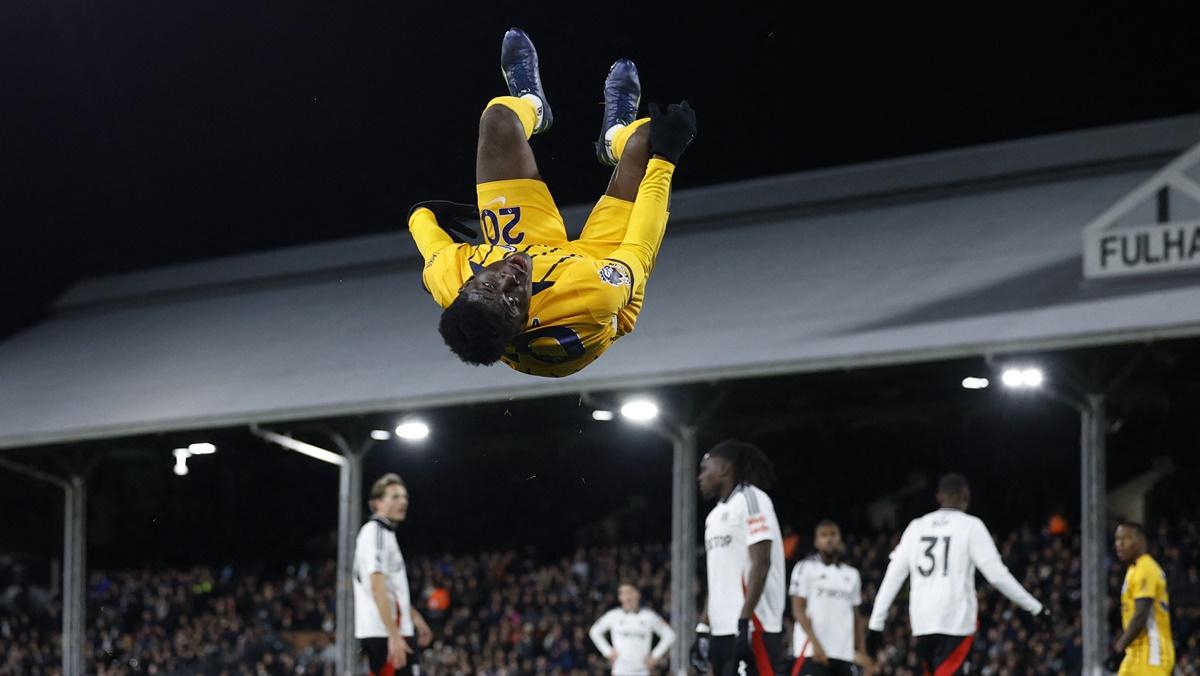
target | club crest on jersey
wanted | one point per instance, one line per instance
(614, 275)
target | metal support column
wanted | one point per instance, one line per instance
(349, 519)
(683, 546)
(349, 464)
(74, 566)
(74, 576)
(1093, 529)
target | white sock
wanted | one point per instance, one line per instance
(537, 106)
(609, 136)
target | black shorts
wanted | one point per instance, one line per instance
(945, 655)
(767, 648)
(807, 666)
(376, 651)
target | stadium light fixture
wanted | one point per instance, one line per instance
(639, 410)
(181, 456)
(381, 435)
(202, 449)
(412, 430)
(1026, 378)
(973, 383)
(602, 415)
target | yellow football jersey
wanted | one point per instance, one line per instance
(580, 305)
(1144, 579)
(584, 298)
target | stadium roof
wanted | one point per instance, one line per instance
(964, 252)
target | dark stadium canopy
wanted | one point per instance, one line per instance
(965, 252)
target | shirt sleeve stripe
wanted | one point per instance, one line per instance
(379, 544)
(752, 501)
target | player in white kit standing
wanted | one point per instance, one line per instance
(632, 629)
(744, 554)
(940, 553)
(384, 619)
(828, 636)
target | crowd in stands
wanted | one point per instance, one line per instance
(506, 613)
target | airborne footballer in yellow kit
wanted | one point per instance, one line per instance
(528, 296)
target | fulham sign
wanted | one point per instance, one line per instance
(1155, 228)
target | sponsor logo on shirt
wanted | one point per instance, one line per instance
(840, 594)
(717, 542)
(757, 524)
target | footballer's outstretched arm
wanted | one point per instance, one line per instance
(893, 579)
(436, 224)
(648, 221)
(670, 135)
(987, 560)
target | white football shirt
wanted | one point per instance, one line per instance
(376, 551)
(744, 518)
(940, 553)
(632, 634)
(833, 592)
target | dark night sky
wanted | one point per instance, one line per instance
(137, 134)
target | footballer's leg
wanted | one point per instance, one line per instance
(624, 143)
(624, 140)
(632, 168)
(515, 206)
(509, 121)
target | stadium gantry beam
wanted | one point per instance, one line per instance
(74, 614)
(350, 462)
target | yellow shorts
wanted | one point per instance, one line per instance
(519, 212)
(522, 211)
(1131, 667)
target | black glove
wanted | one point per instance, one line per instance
(874, 643)
(671, 132)
(698, 657)
(1113, 662)
(453, 217)
(741, 645)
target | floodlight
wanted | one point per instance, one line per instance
(639, 410)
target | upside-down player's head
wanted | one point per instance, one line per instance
(491, 309)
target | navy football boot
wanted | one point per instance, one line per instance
(519, 64)
(622, 94)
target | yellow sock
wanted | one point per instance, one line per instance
(621, 137)
(523, 108)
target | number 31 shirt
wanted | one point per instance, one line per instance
(940, 552)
